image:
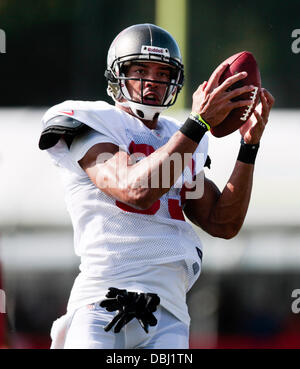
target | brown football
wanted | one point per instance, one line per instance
(240, 62)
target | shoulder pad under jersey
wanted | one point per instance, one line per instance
(57, 127)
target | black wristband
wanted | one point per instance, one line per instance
(248, 152)
(193, 130)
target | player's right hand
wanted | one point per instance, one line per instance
(213, 101)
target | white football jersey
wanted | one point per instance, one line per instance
(154, 250)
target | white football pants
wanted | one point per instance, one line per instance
(86, 331)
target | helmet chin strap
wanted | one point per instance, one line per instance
(145, 111)
(142, 111)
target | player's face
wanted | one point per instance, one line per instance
(153, 93)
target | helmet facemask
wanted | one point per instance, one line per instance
(117, 89)
(141, 108)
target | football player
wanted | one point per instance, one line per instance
(131, 177)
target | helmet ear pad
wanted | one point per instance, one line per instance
(110, 76)
(113, 89)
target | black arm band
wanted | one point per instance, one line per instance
(248, 152)
(193, 130)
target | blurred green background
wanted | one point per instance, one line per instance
(56, 50)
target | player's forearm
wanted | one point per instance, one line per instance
(161, 169)
(143, 183)
(231, 208)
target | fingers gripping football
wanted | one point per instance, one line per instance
(253, 129)
(267, 102)
(213, 101)
(231, 94)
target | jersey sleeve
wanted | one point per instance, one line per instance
(104, 122)
(83, 142)
(99, 115)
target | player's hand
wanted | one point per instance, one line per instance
(213, 102)
(253, 129)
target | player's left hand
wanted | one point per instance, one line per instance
(253, 129)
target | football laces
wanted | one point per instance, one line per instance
(253, 95)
